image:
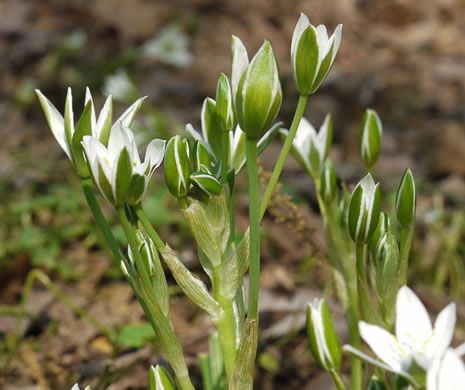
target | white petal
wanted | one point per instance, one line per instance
(322, 138)
(460, 350)
(240, 62)
(69, 101)
(300, 27)
(102, 118)
(384, 345)
(443, 332)
(118, 140)
(92, 115)
(337, 42)
(75, 387)
(322, 35)
(154, 154)
(128, 116)
(413, 325)
(55, 122)
(194, 133)
(452, 373)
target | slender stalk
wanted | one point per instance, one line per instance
(160, 322)
(183, 202)
(337, 380)
(224, 157)
(254, 217)
(148, 227)
(100, 218)
(405, 246)
(205, 371)
(283, 155)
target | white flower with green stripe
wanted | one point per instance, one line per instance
(117, 169)
(371, 132)
(69, 135)
(312, 54)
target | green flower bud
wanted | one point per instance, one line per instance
(376, 383)
(160, 379)
(371, 132)
(322, 337)
(406, 199)
(211, 127)
(177, 167)
(200, 156)
(259, 93)
(364, 210)
(206, 182)
(312, 54)
(384, 224)
(328, 190)
(225, 104)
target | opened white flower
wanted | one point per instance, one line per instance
(447, 373)
(117, 169)
(69, 135)
(312, 54)
(415, 339)
(311, 149)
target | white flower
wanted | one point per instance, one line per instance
(117, 169)
(76, 387)
(447, 373)
(120, 86)
(69, 136)
(312, 54)
(415, 337)
(310, 148)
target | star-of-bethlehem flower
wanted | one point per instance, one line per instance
(416, 340)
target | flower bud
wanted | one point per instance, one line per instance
(312, 54)
(328, 190)
(384, 224)
(322, 337)
(206, 182)
(200, 156)
(224, 104)
(259, 93)
(364, 210)
(160, 379)
(211, 127)
(371, 132)
(177, 167)
(406, 199)
(376, 383)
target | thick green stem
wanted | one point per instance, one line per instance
(100, 218)
(405, 246)
(160, 322)
(284, 153)
(254, 217)
(148, 227)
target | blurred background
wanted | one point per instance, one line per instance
(404, 59)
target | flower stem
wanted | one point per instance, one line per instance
(100, 218)
(148, 227)
(224, 157)
(337, 380)
(405, 246)
(254, 217)
(283, 155)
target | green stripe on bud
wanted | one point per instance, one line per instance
(200, 156)
(177, 167)
(211, 126)
(207, 183)
(371, 132)
(406, 199)
(364, 210)
(160, 379)
(322, 337)
(376, 383)
(328, 189)
(259, 93)
(384, 224)
(225, 104)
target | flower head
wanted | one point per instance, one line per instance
(312, 54)
(415, 340)
(117, 169)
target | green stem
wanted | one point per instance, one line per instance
(160, 322)
(405, 246)
(205, 371)
(283, 155)
(337, 380)
(183, 202)
(224, 157)
(100, 218)
(148, 227)
(226, 326)
(232, 223)
(254, 217)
